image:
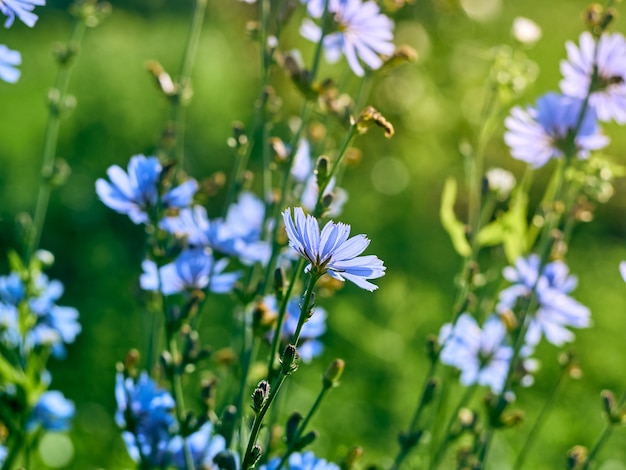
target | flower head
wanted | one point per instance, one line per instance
(608, 58)
(330, 251)
(193, 269)
(203, 444)
(136, 192)
(145, 412)
(480, 354)
(8, 61)
(556, 309)
(23, 9)
(362, 33)
(535, 135)
(52, 412)
(305, 461)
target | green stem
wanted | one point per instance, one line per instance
(51, 138)
(184, 79)
(606, 433)
(534, 432)
(304, 306)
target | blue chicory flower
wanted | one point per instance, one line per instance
(23, 9)
(193, 269)
(9, 332)
(12, 289)
(330, 251)
(52, 412)
(536, 135)
(8, 61)
(362, 33)
(309, 345)
(3, 454)
(203, 445)
(607, 58)
(298, 461)
(480, 354)
(144, 411)
(556, 309)
(135, 193)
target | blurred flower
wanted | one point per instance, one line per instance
(331, 251)
(622, 270)
(500, 182)
(302, 166)
(53, 412)
(535, 135)
(362, 32)
(556, 309)
(480, 355)
(22, 9)
(193, 269)
(136, 192)
(309, 346)
(239, 235)
(3, 454)
(144, 412)
(607, 58)
(203, 444)
(8, 60)
(9, 332)
(297, 461)
(12, 290)
(526, 30)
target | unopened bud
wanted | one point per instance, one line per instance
(402, 55)
(306, 440)
(333, 373)
(291, 427)
(259, 396)
(226, 460)
(353, 457)
(131, 361)
(321, 170)
(279, 282)
(369, 117)
(576, 457)
(289, 361)
(163, 79)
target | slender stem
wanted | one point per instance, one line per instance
(447, 436)
(534, 432)
(606, 433)
(302, 427)
(184, 79)
(320, 44)
(304, 307)
(56, 105)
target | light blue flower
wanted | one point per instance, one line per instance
(203, 444)
(556, 309)
(9, 332)
(193, 269)
(298, 461)
(480, 354)
(607, 58)
(3, 454)
(536, 135)
(137, 192)
(12, 289)
(145, 412)
(331, 251)
(8, 61)
(23, 9)
(362, 33)
(52, 412)
(309, 345)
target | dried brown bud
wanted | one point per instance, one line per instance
(371, 116)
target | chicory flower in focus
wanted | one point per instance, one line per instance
(193, 269)
(8, 61)
(480, 354)
(362, 33)
(52, 412)
(23, 9)
(607, 58)
(330, 251)
(135, 193)
(536, 135)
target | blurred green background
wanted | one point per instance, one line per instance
(394, 199)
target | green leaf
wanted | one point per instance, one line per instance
(452, 225)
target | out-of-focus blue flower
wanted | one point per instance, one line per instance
(362, 33)
(55, 325)
(203, 445)
(193, 269)
(481, 355)
(52, 412)
(145, 412)
(239, 235)
(331, 251)
(136, 192)
(9, 332)
(556, 309)
(305, 461)
(8, 61)
(12, 290)
(3, 454)
(309, 345)
(535, 135)
(607, 58)
(23, 9)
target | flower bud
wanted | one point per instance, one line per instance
(352, 459)
(333, 373)
(291, 427)
(321, 170)
(259, 396)
(226, 460)
(369, 117)
(131, 361)
(289, 361)
(306, 440)
(576, 457)
(279, 282)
